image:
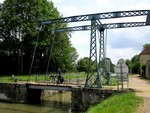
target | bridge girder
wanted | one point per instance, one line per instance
(105, 26)
(97, 16)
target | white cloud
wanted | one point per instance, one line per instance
(129, 37)
(1, 1)
(55, 1)
(70, 10)
(122, 43)
(126, 53)
(139, 6)
(81, 40)
(81, 43)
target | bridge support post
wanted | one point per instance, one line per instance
(93, 79)
(102, 54)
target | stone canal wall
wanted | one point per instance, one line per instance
(14, 92)
(82, 98)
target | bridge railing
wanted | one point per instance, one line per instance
(69, 78)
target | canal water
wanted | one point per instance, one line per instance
(56, 103)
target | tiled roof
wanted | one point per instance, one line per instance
(145, 51)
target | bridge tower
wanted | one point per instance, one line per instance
(93, 79)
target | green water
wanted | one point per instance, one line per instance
(57, 103)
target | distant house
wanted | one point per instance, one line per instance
(145, 62)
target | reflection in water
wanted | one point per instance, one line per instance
(56, 103)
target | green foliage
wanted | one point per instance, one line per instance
(145, 46)
(129, 64)
(106, 60)
(136, 67)
(41, 77)
(83, 64)
(18, 34)
(122, 103)
(134, 64)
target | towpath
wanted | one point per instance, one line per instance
(142, 87)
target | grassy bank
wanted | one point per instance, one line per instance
(121, 103)
(41, 77)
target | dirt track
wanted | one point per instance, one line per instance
(142, 88)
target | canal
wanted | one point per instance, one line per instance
(55, 103)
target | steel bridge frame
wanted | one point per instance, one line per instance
(98, 16)
(96, 25)
(93, 79)
(105, 26)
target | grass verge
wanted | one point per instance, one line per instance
(121, 103)
(41, 77)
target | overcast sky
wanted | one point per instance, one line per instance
(121, 43)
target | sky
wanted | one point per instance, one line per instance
(120, 43)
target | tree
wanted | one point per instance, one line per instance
(112, 66)
(83, 64)
(19, 23)
(134, 64)
(136, 67)
(145, 46)
(129, 64)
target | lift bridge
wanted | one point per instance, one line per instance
(93, 79)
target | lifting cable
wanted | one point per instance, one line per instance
(36, 44)
(50, 54)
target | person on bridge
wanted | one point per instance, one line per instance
(60, 78)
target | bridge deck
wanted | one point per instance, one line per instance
(46, 86)
(60, 87)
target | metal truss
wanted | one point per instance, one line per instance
(105, 26)
(148, 20)
(124, 25)
(98, 16)
(76, 28)
(102, 53)
(100, 27)
(93, 78)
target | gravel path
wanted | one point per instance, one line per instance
(142, 87)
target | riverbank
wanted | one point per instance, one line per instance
(142, 90)
(120, 103)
